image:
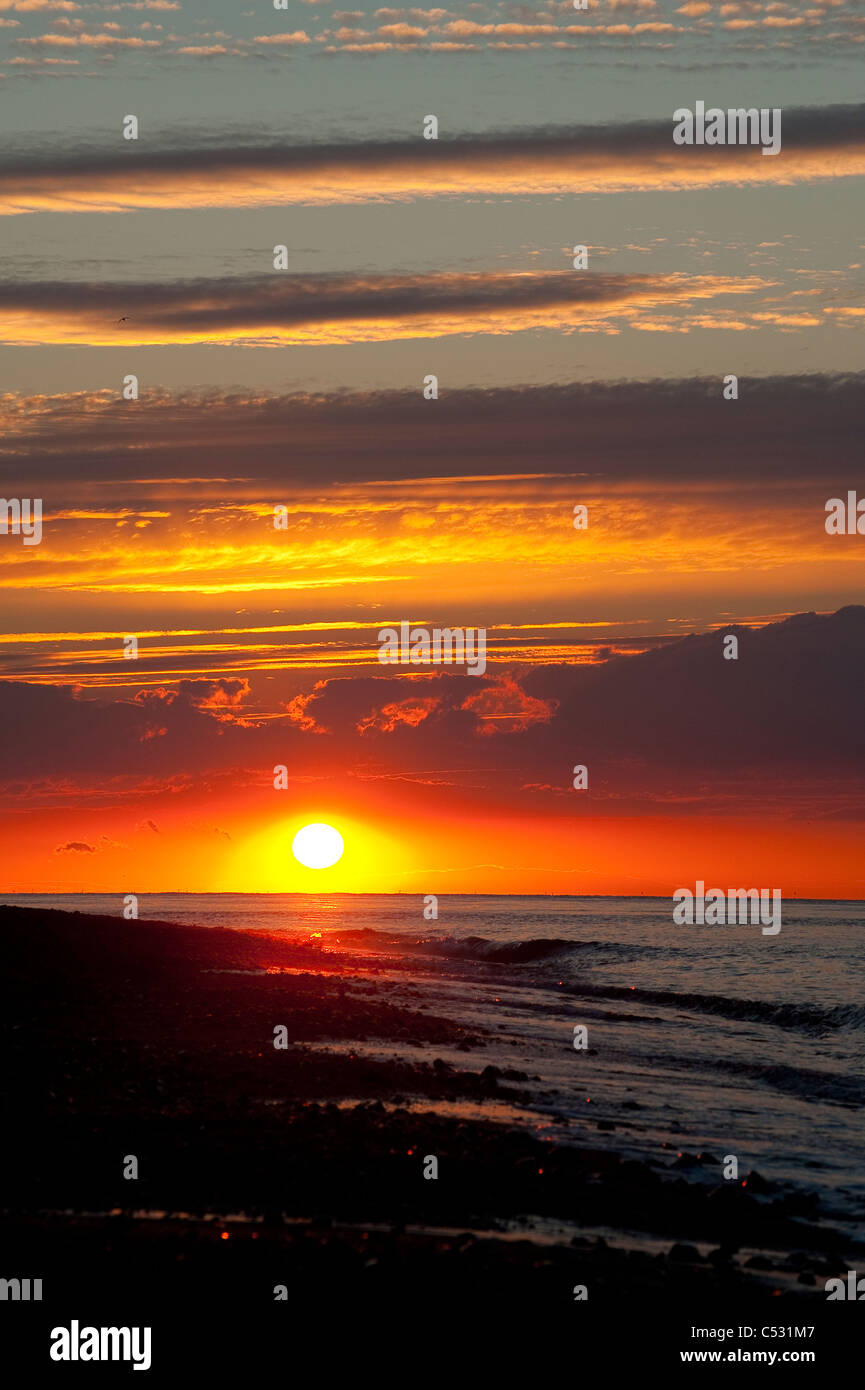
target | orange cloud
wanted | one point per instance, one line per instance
(25, 6)
(89, 41)
(340, 308)
(505, 708)
(410, 713)
(817, 145)
(299, 37)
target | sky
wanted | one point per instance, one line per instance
(301, 388)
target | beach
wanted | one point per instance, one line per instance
(264, 1168)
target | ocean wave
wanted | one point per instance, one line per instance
(502, 952)
(810, 1019)
(482, 948)
(805, 1083)
(806, 1018)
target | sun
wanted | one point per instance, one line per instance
(317, 846)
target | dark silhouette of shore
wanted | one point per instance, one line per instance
(303, 1167)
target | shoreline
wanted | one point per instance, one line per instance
(139, 1038)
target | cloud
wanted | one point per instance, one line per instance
(822, 143)
(505, 708)
(213, 50)
(80, 40)
(75, 847)
(672, 725)
(410, 712)
(110, 744)
(32, 6)
(284, 40)
(683, 488)
(653, 432)
(341, 308)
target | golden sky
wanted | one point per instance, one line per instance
(169, 393)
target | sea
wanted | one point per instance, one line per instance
(700, 1039)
